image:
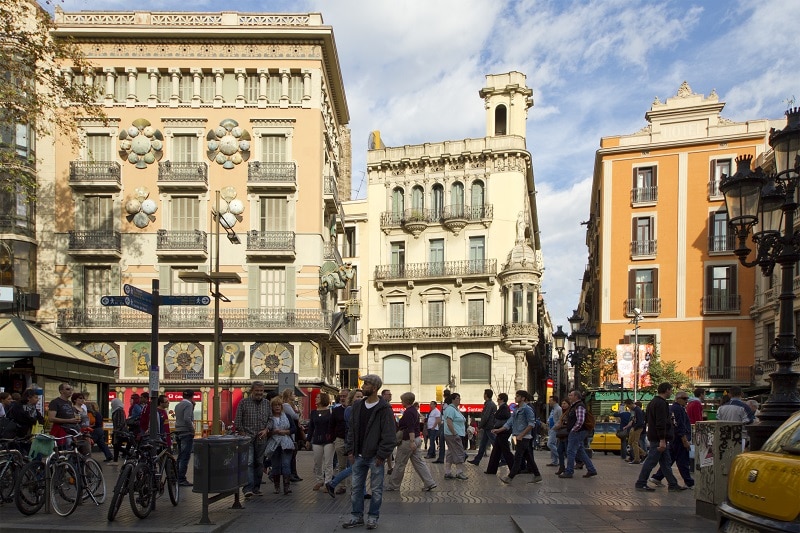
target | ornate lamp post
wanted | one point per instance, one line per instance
(560, 340)
(769, 202)
(584, 341)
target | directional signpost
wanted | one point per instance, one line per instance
(185, 300)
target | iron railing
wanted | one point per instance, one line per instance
(330, 252)
(648, 306)
(641, 195)
(639, 248)
(271, 240)
(513, 329)
(721, 243)
(437, 332)
(722, 303)
(103, 171)
(181, 240)
(436, 270)
(185, 171)
(437, 216)
(267, 172)
(721, 375)
(95, 240)
(18, 225)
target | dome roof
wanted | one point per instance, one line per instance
(521, 257)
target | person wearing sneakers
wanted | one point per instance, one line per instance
(410, 448)
(576, 418)
(660, 432)
(522, 423)
(455, 428)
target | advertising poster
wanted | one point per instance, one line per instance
(626, 362)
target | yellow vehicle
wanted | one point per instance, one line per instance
(764, 486)
(605, 438)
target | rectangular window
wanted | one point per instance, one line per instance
(207, 88)
(719, 168)
(396, 315)
(98, 213)
(348, 371)
(643, 290)
(164, 87)
(644, 185)
(184, 148)
(183, 288)
(349, 248)
(273, 215)
(185, 214)
(720, 239)
(769, 339)
(436, 314)
(96, 284)
(98, 147)
(719, 355)
(295, 88)
(643, 238)
(121, 87)
(721, 293)
(436, 257)
(251, 88)
(475, 312)
(274, 88)
(477, 254)
(272, 287)
(273, 148)
(398, 259)
(186, 87)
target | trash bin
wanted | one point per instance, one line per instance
(220, 463)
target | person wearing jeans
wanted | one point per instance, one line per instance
(634, 437)
(552, 439)
(660, 432)
(432, 423)
(251, 419)
(486, 425)
(522, 423)
(184, 434)
(576, 418)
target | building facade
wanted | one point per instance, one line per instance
(231, 124)
(451, 263)
(660, 249)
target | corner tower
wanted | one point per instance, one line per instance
(507, 100)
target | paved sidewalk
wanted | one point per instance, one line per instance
(482, 503)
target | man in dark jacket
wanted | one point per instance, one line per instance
(680, 445)
(486, 425)
(370, 440)
(660, 432)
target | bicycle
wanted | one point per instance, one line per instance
(150, 476)
(12, 461)
(123, 481)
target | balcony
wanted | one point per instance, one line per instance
(330, 196)
(462, 334)
(643, 249)
(722, 243)
(722, 304)
(356, 337)
(95, 244)
(644, 195)
(445, 269)
(183, 175)
(18, 225)
(648, 306)
(181, 243)
(713, 376)
(278, 244)
(330, 252)
(265, 176)
(415, 220)
(98, 175)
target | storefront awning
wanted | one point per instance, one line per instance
(50, 355)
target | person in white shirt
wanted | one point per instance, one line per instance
(432, 422)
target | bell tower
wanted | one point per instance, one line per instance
(506, 99)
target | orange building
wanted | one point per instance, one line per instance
(660, 250)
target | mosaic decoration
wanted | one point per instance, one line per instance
(141, 210)
(141, 144)
(268, 358)
(230, 207)
(137, 363)
(183, 360)
(102, 351)
(228, 144)
(232, 360)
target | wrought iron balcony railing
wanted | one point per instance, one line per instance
(18, 225)
(721, 375)
(472, 267)
(722, 303)
(271, 240)
(94, 171)
(267, 172)
(644, 195)
(722, 243)
(330, 252)
(183, 171)
(648, 306)
(95, 240)
(434, 333)
(437, 216)
(640, 248)
(181, 240)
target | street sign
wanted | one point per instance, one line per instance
(139, 304)
(136, 292)
(112, 300)
(185, 300)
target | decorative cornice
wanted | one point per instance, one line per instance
(92, 122)
(184, 122)
(272, 121)
(190, 47)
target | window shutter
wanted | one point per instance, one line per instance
(634, 227)
(733, 289)
(655, 283)
(709, 280)
(291, 282)
(631, 284)
(712, 170)
(634, 177)
(655, 176)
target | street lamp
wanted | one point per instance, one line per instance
(560, 339)
(584, 340)
(752, 198)
(214, 279)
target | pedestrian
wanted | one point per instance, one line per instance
(501, 450)
(679, 446)
(251, 419)
(386, 394)
(442, 449)
(694, 408)
(736, 410)
(432, 423)
(319, 429)
(98, 432)
(486, 425)
(26, 415)
(332, 488)
(625, 417)
(184, 434)
(552, 439)
(280, 445)
(637, 424)
(523, 424)
(576, 422)
(370, 440)
(410, 448)
(660, 432)
(562, 432)
(455, 428)
(61, 414)
(119, 437)
(339, 431)
(5, 403)
(298, 435)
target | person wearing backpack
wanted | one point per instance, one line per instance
(580, 422)
(98, 433)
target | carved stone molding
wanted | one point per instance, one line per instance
(227, 49)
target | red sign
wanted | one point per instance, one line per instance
(178, 396)
(549, 383)
(426, 408)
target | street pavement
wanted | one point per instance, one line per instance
(605, 503)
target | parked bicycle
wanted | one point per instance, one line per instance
(12, 461)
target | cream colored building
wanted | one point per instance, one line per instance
(248, 104)
(453, 262)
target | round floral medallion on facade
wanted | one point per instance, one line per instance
(141, 144)
(228, 144)
(141, 210)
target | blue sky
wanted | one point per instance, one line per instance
(412, 69)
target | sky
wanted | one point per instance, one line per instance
(412, 69)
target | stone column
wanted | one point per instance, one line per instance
(174, 98)
(154, 75)
(132, 73)
(197, 74)
(519, 370)
(263, 76)
(218, 98)
(284, 88)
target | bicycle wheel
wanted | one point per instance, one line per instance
(171, 475)
(29, 489)
(142, 492)
(9, 470)
(95, 481)
(120, 490)
(64, 488)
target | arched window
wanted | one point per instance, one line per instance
(435, 369)
(437, 201)
(417, 199)
(500, 120)
(396, 370)
(476, 368)
(398, 202)
(457, 199)
(476, 199)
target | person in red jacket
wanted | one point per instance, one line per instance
(695, 406)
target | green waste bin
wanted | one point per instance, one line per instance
(220, 463)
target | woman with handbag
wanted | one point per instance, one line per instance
(562, 433)
(501, 449)
(319, 426)
(280, 446)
